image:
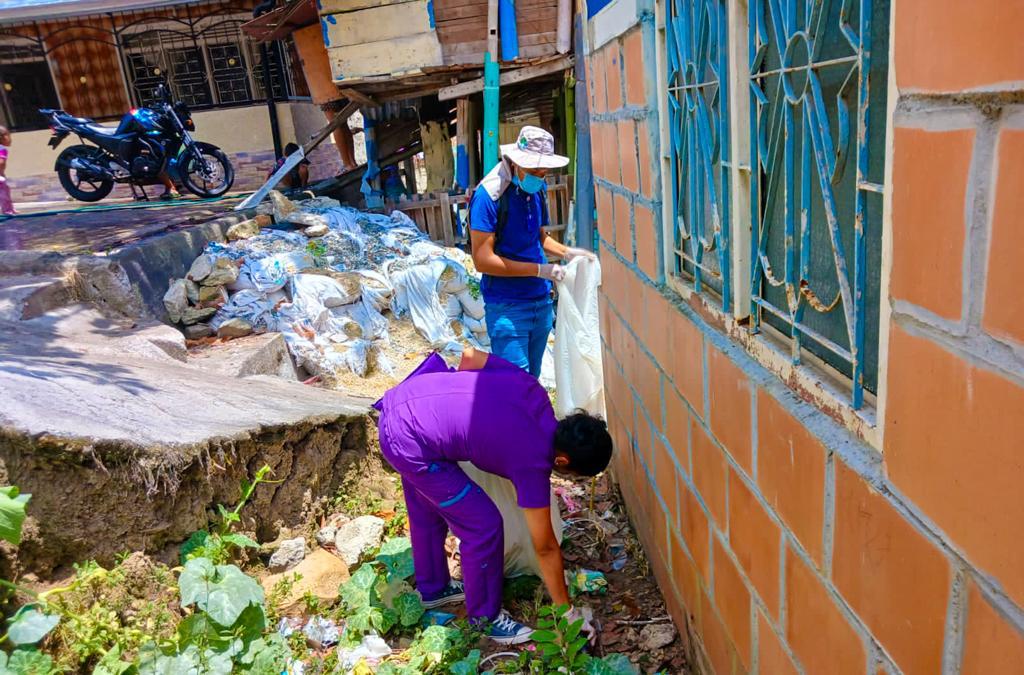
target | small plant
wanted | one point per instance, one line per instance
(378, 597)
(559, 642)
(318, 251)
(279, 593)
(218, 546)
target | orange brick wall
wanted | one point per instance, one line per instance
(783, 543)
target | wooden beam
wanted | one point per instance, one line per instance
(359, 97)
(508, 77)
(339, 119)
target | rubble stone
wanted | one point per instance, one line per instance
(282, 206)
(316, 230)
(197, 331)
(321, 573)
(224, 271)
(176, 300)
(201, 267)
(243, 230)
(326, 534)
(193, 315)
(209, 293)
(192, 291)
(289, 554)
(357, 537)
(234, 328)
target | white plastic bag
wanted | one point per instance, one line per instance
(579, 379)
(520, 557)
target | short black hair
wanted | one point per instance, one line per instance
(585, 440)
(290, 148)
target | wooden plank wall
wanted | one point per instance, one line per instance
(462, 29)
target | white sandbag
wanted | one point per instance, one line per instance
(376, 289)
(579, 379)
(475, 325)
(453, 278)
(272, 272)
(473, 307)
(415, 293)
(329, 292)
(253, 306)
(520, 557)
(452, 306)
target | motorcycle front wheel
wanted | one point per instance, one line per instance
(82, 186)
(207, 171)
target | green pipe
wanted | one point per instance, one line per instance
(491, 102)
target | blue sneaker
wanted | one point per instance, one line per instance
(453, 593)
(507, 631)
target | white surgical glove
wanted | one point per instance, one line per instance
(574, 615)
(573, 253)
(551, 272)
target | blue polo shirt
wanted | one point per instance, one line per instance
(520, 241)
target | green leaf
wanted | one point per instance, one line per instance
(111, 664)
(409, 607)
(239, 540)
(12, 513)
(573, 630)
(196, 540)
(222, 591)
(396, 556)
(469, 665)
(362, 589)
(613, 664)
(384, 620)
(540, 636)
(269, 655)
(29, 662)
(29, 626)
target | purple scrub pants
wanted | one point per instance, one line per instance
(440, 496)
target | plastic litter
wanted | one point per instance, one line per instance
(587, 581)
(321, 631)
(579, 377)
(372, 648)
(433, 617)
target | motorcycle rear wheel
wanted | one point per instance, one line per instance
(84, 188)
(212, 183)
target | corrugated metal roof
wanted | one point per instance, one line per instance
(12, 11)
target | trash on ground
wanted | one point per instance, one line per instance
(587, 581)
(321, 631)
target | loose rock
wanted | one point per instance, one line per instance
(224, 271)
(198, 331)
(322, 573)
(357, 537)
(193, 315)
(326, 534)
(282, 206)
(289, 554)
(243, 230)
(234, 328)
(192, 291)
(316, 230)
(657, 635)
(176, 300)
(209, 293)
(201, 267)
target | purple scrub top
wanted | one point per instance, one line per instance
(499, 418)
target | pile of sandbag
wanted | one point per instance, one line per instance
(330, 286)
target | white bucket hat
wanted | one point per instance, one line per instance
(535, 149)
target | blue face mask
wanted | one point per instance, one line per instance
(529, 183)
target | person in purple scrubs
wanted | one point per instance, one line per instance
(497, 416)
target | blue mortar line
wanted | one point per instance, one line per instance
(956, 617)
(829, 517)
(783, 605)
(754, 436)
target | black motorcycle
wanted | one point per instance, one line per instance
(147, 144)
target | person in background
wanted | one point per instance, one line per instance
(6, 205)
(493, 414)
(298, 177)
(507, 216)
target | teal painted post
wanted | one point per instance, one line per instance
(491, 98)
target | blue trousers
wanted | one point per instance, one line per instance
(519, 331)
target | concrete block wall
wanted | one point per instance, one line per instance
(784, 541)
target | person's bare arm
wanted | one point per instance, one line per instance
(552, 246)
(303, 175)
(473, 359)
(487, 261)
(549, 553)
(3, 167)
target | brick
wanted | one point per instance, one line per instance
(635, 307)
(951, 45)
(791, 472)
(644, 440)
(1002, 316)
(677, 427)
(754, 538)
(643, 151)
(656, 326)
(626, 130)
(623, 227)
(610, 146)
(648, 385)
(613, 71)
(729, 398)
(710, 473)
(930, 170)
(694, 530)
(733, 601)
(684, 576)
(992, 646)
(666, 477)
(659, 530)
(605, 217)
(962, 422)
(597, 152)
(772, 658)
(716, 638)
(633, 48)
(647, 253)
(687, 365)
(890, 574)
(816, 630)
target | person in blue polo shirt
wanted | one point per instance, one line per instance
(507, 214)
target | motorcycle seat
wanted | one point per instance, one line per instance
(100, 129)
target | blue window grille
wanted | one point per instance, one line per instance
(698, 74)
(817, 137)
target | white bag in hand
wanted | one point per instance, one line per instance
(579, 379)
